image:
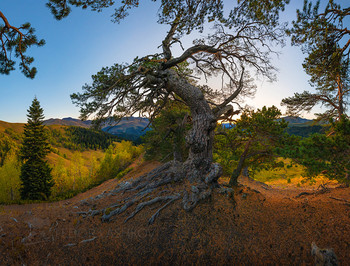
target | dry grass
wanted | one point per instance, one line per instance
(292, 176)
(258, 225)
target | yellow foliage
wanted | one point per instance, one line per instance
(9, 179)
(72, 171)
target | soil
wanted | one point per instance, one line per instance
(257, 224)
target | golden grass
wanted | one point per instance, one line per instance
(292, 176)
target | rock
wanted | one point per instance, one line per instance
(323, 257)
(99, 196)
(84, 203)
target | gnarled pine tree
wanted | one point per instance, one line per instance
(239, 42)
(35, 171)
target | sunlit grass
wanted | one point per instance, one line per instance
(288, 172)
(291, 176)
(73, 171)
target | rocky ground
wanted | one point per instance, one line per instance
(255, 224)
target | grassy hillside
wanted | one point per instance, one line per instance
(78, 159)
(17, 127)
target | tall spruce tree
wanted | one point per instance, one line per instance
(35, 172)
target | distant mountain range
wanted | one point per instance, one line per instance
(292, 121)
(298, 126)
(295, 120)
(129, 128)
(132, 128)
(68, 121)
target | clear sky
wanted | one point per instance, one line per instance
(79, 45)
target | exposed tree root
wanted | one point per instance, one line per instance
(346, 202)
(148, 190)
(321, 190)
(151, 202)
(304, 194)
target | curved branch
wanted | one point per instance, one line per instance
(169, 38)
(218, 110)
(189, 53)
(17, 39)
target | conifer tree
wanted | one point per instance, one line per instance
(325, 38)
(35, 172)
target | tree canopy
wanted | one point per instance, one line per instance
(166, 139)
(236, 45)
(230, 49)
(323, 154)
(325, 38)
(252, 142)
(17, 40)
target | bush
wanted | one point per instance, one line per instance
(118, 156)
(10, 182)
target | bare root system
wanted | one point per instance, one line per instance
(155, 187)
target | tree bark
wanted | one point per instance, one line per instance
(340, 97)
(201, 137)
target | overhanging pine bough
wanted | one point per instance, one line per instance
(15, 41)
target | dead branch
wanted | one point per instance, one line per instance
(87, 240)
(339, 199)
(304, 194)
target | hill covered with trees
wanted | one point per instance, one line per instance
(77, 157)
(128, 128)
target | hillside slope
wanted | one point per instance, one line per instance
(17, 127)
(256, 225)
(75, 158)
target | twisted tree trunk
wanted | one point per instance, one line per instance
(200, 138)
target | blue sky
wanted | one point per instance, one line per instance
(85, 41)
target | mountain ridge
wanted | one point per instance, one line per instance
(128, 128)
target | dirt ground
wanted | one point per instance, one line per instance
(258, 224)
